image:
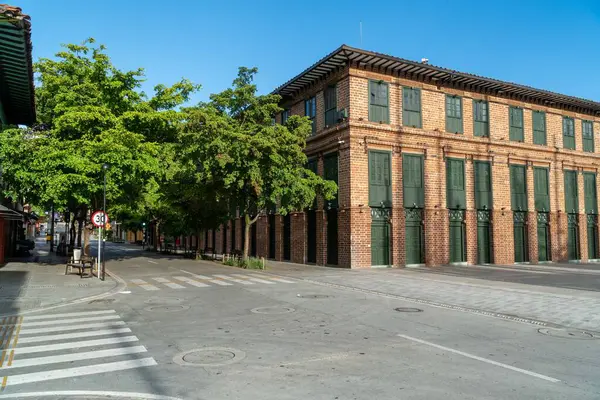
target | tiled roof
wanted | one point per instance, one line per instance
(378, 62)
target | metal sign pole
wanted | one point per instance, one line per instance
(99, 250)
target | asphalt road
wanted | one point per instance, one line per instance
(199, 330)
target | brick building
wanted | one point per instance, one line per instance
(434, 166)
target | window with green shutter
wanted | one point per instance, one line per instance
(541, 189)
(454, 120)
(455, 183)
(571, 192)
(380, 181)
(310, 110)
(518, 188)
(589, 190)
(413, 181)
(330, 165)
(483, 185)
(539, 127)
(379, 102)
(330, 105)
(481, 118)
(587, 129)
(411, 107)
(515, 116)
(285, 114)
(568, 133)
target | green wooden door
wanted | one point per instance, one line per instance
(414, 238)
(520, 236)
(287, 237)
(458, 243)
(311, 236)
(380, 242)
(332, 236)
(272, 241)
(572, 237)
(592, 236)
(484, 241)
(543, 231)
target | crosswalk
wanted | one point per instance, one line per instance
(37, 348)
(205, 281)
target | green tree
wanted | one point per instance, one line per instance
(91, 113)
(233, 147)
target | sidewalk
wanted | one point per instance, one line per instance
(564, 307)
(39, 282)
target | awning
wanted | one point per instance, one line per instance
(7, 213)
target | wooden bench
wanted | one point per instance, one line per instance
(82, 264)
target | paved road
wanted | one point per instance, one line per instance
(277, 335)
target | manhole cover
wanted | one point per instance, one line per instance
(314, 296)
(209, 357)
(164, 300)
(167, 308)
(272, 310)
(105, 301)
(567, 334)
(408, 309)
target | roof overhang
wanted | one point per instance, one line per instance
(16, 70)
(7, 213)
(349, 56)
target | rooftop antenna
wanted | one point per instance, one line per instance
(360, 24)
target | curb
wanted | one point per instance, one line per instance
(120, 286)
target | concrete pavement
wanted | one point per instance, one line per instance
(289, 338)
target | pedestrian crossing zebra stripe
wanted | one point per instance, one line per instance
(29, 331)
(206, 278)
(49, 338)
(272, 278)
(234, 279)
(76, 345)
(168, 283)
(144, 285)
(70, 321)
(73, 314)
(191, 281)
(253, 279)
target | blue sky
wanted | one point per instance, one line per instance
(549, 44)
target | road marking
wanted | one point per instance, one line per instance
(78, 371)
(272, 278)
(88, 394)
(191, 281)
(485, 360)
(75, 314)
(71, 321)
(26, 331)
(206, 278)
(253, 279)
(152, 262)
(75, 345)
(30, 362)
(143, 284)
(234, 279)
(49, 338)
(168, 283)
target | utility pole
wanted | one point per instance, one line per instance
(52, 229)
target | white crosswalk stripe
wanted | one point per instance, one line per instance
(31, 352)
(207, 281)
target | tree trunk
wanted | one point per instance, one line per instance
(156, 235)
(72, 232)
(247, 226)
(197, 244)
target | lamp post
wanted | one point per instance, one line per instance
(104, 168)
(144, 236)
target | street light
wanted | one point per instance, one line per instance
(104, 168)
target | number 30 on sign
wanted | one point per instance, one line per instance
(99, 218)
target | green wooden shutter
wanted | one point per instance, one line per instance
(518, 187)
(330, 105)
(483, 185)
(481, 124)
(379, 102)
(589, 189)
(454, 121)
(411, 107)
(412, 181)
(331, 174)
(455, 183)
(516, 124)
(380, 182)
(571, 192)
(568, 133)
(587, 128)
(541, 189)
(539, 127)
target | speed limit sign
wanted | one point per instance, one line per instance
(99, 218)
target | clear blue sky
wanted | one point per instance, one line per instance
(549, 44)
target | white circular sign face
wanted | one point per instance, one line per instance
(99, 218)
